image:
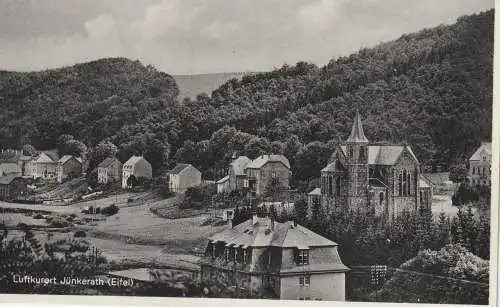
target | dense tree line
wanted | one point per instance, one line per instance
(431, 89)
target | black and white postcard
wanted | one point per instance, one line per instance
(305, 150)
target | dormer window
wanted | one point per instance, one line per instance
(303, 257)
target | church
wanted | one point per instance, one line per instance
(385, 179)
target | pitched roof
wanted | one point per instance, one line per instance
(43, 158)
(259, 235)
(329, 168)
(107, 162)
(316, 191)
(7, 179)
(383, 154)
(133, 160)
(357, 135)
(66, 158)
(486, 147)
(9, 168)
(262, 160)
(222, 180)
(179, 168)
(239, 165)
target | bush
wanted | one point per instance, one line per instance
(38, 216)
(80, 234)
(59, 222)
(198, 197)
(110, 210)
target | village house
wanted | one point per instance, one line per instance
(385, 179)
(182, 177)
(12, 187)
(42, 166)
(109, 170)
(283, 260)
(10, 169)
(68, 167)
(256, 175)
(264, 169)
(480, 165)
(137, 167)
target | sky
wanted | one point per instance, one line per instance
(208, 36)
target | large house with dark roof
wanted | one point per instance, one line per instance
(284, 260)
(383, 178)
(182, 177)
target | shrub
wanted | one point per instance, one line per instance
(110, 210)
(59, 222)
(38, 216)
(80, 234)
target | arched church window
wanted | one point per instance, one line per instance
(337, 186)
(405, 183)
(381, 196)
(408, 182)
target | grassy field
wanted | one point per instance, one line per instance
(134, 236)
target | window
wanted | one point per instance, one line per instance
(303, 257)
(244, 256)
(381, 197)
(338, 186)
(273, 174)
(304, 280)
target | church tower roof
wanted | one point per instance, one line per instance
(357, 134)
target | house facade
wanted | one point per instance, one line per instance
(182, 177)
(283, 260)
(256, 175)
(42, 166)
(12, 187)
(359, 176)
(136, 166)
(480, 165)
(68, 167)
(261, 171)
(109, 171)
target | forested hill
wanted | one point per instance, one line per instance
(90, 101)
(431, 89)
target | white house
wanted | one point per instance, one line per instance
(182, 177)
(136, 166)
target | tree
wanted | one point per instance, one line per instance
(300, 208)
(29, 150)
(273, 188)
(458, 173)
(100, 152)
(416, 280)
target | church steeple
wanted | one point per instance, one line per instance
(357, 134)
